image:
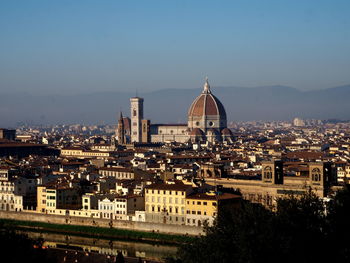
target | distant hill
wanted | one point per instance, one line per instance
(171, 105)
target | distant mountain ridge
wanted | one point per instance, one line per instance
(171, 105)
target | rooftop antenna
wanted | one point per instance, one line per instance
(137, 93)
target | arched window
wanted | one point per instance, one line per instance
(316, 175)
(267, 174)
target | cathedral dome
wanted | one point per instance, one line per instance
(206, 111)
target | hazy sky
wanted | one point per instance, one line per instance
(84, 46)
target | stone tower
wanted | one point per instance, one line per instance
(136, 118)
(272, 172)
(121, 130)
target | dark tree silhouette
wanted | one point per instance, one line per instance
(119, 258)
(300, 229)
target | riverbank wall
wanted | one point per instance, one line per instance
(169, 229)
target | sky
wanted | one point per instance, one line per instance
(73, 47)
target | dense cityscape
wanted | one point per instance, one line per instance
(174, 131)
(166, 178)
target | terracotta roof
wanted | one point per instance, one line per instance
(207, 104)
(206, 196)
(177, 186)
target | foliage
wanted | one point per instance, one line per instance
(301, 229)
(119, 258)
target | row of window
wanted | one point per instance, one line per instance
(169, 200)
(111, 207)
(200, 203)
(169, 192)
(170, 209)
(7, 189)
(189, 212)
(117, 174)
(6, 197)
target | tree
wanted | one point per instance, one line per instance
(119, 258)
(338, 219)
(298, 230)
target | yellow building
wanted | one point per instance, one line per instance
(41, 199)
(50, 199)
(81, 153)
(201, 207)
(165, 202)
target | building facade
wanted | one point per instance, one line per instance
(207, 121)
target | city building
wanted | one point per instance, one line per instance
(8, 134)
(207, 121)
(166, 202)
(204, 207)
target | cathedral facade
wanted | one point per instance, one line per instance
(207, 121)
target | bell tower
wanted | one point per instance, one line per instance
(136, 105)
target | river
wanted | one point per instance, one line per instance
(132, 249)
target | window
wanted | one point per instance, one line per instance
(214, 203)
(316, 175)
(204, 203)
(199, 203)
(268, 172)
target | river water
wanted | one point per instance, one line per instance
(132, 249)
